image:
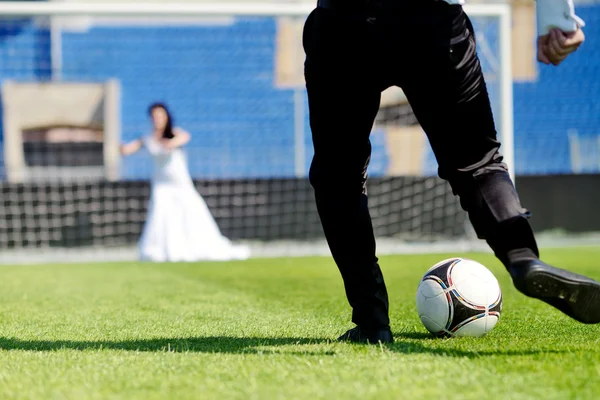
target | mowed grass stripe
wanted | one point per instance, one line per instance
(130, 301)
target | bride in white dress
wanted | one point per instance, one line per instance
(179, 225)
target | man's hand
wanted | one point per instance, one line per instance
(554, 47)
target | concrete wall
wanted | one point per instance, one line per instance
(42, 105)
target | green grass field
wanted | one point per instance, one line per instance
(265, 329)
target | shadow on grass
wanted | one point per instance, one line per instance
(210, 344)
(405, 343)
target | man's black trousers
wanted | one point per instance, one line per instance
(428, 50)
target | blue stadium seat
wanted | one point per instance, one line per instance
(219, 82)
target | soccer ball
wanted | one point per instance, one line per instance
(459, 297)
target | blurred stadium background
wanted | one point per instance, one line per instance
(73, 88)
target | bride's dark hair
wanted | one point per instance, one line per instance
(168, 131)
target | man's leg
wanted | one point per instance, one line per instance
(343, 99)
(448, 94)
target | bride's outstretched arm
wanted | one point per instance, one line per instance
(180, 139)
(131, 147)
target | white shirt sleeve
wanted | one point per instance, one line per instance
(557, 14)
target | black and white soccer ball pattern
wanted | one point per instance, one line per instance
(459, 297)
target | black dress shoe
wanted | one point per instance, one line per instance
(372, 336)
(575, 295)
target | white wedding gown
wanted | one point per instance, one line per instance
(179, 225)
